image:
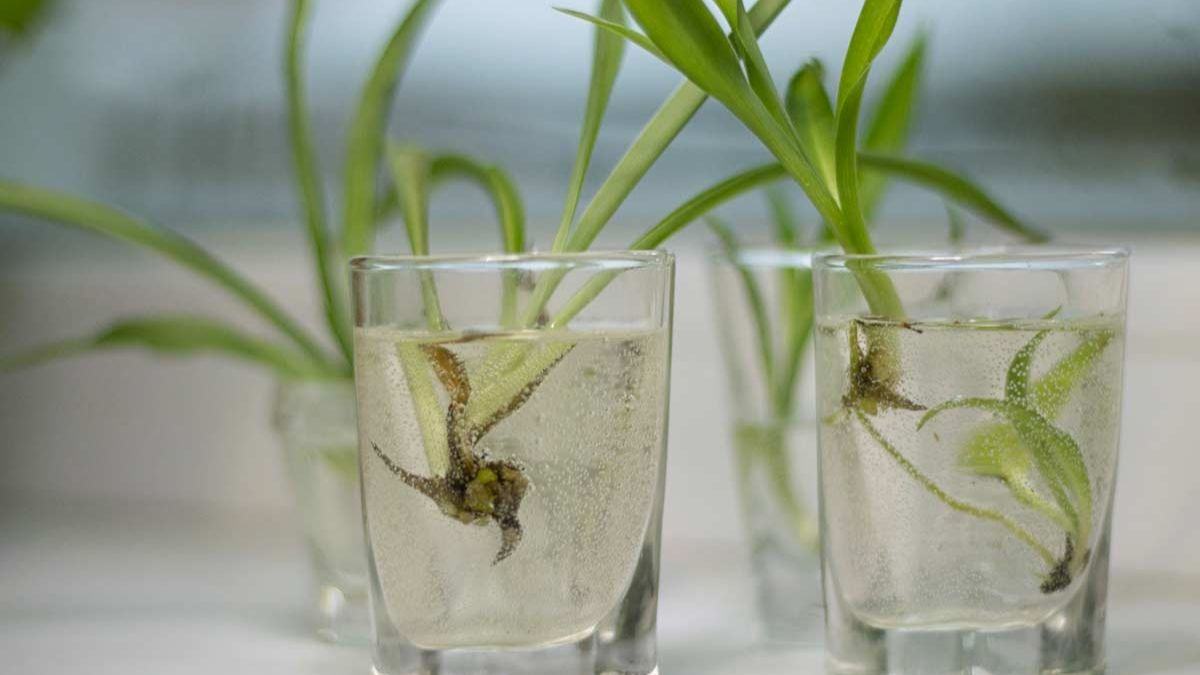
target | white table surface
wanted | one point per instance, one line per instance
(88, 589)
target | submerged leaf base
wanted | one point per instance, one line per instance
(494, 493)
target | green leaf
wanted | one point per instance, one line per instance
(496, 184)
(1055, 453)
(812, 114)
(607, 54)
(1051, 392)
(888, 129)
(757, 71)
(510, 213)
(955, 188)
(875, 25)
(754, 298)
(783, 219)
(871, 34)
(431, 417)
(18, 16)
(366, 136)
(616, 29)
(72, 211)
(1016, 382)
(686, 32)
(651, 142)
(956, 225)
(412, 174)
(956, 504)
(180, 336)
(706, 201)
(308, 177)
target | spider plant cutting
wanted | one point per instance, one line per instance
(816, 141)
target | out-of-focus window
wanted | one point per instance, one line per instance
(1080, 113)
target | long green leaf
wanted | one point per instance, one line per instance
(686, 32)
(871, 34)
(18, 16)
(955, 188)
(180, 336)
(412, 174)
(65, 209)
(510, 212)
(366, 145)
(691, 38)
(620, 30)
(308, 176)
(891, 122)
(1051, 392)
(812, 114)
(496, 184)
(875, 25)
(783, 218)
(757, 71)
(607, 54)
(1016, 380)
(706, 201)
(652, 141)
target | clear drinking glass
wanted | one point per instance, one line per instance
(512, 423)
(968, 453)
(315, 422)
(764, 319)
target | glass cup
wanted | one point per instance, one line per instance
(764, 319)
(970, 417)
(512, 419)
(315, 422)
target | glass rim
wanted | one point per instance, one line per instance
(614, 260)
(1028, 257)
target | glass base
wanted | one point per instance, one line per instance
(587, 656)
(342, 617)
(1070, 641)
(914, 652)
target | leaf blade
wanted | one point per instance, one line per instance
(179, 335)
(365, 147)
(308, 176)
(707, 200)
(809, 107)
(956, 188)
(652, 141)
(68, 210)
(890, 125)
(496, 184)
(607, 53)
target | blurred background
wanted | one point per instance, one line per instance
(1083, 116)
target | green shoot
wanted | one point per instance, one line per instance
(1031, 439)
(308, 177)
